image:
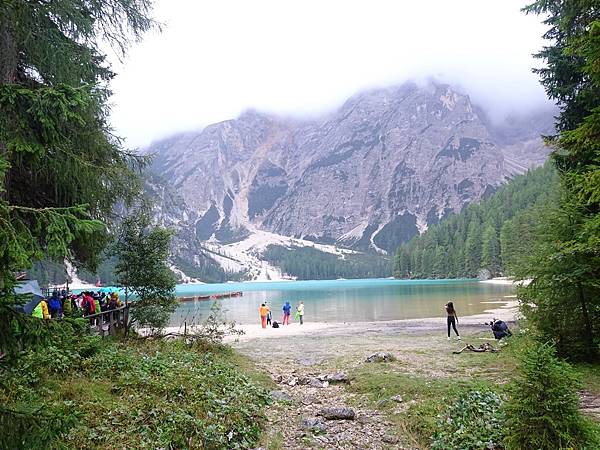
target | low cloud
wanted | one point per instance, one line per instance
(216, 59)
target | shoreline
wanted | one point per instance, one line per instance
(508, 312)
(505, 281)
(78, 284)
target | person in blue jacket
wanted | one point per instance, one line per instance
(287, 311)
(55, 305)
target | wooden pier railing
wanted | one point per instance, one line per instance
(108, 322)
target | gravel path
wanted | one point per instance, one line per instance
(300, 365)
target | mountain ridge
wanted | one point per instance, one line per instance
(372, 174)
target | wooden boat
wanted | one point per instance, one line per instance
(212, 296)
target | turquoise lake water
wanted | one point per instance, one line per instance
(344, 300)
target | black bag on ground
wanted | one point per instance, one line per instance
(275, 324)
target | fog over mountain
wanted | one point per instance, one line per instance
(214, 60)
(379, 170)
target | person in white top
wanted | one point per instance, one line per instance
(300, 312)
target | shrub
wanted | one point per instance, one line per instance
(155, 394)
(542, 411)
(212, 330)
(473, 422)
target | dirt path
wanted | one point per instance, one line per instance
(590, 404)
(301, 366)
(302, 363)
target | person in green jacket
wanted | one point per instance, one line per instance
(98, 310)
(37, 311)
(41, 310)
(300, 312)
(67, 307)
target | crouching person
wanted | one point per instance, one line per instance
(500, 329)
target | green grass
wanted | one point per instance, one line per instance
(139, 394)
(274, 442)
(248, 367)
(423, 397)
(432, 380)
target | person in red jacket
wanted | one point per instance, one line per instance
(88, 304)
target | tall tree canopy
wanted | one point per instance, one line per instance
(142, 251)
(490, 235)
(61, 168)
(564, 298)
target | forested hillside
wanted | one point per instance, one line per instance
(312, 264)
(488, 235)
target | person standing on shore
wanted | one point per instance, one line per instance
(452, 319)
(269, 315)
(300, 312)
(263, 311)
(287, 311)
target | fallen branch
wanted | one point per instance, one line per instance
(485, 347)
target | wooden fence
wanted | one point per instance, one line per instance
(107, 323)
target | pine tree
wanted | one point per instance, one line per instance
(566, 267)
(61, 168)
(542, 411)
(473, 248)
(519, 202)
(490, 250)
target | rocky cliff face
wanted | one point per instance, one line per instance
(371, 175)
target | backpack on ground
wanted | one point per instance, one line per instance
(275, 324)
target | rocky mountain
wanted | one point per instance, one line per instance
(370, 175)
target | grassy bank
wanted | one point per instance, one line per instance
(112, 394)
(465, 397)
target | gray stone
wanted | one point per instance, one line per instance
(314, 424)
(363, 419)
(390, 439)
(316, 383)
(338, 377)
(310, 400)
(383, 402)
(281, 396)
(322, 439)
(343, 436)
(397, 398)
(309, 361)
(338, 413)
(277, 378)
(380, 357)
(304, 380)
(484, 274)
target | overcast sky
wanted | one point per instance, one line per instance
(215, 59)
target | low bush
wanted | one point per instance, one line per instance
(473, 422)
(133, 394)
(542, 410)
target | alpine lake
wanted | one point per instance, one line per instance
(339, 301)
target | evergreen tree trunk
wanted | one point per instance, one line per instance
(589, 334)
(8, 74)
(8, 53)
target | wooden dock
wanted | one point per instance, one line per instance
(211, 297)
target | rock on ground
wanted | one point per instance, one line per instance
(281, 396)
(380, 357)
(338, 377)
(338, 413)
